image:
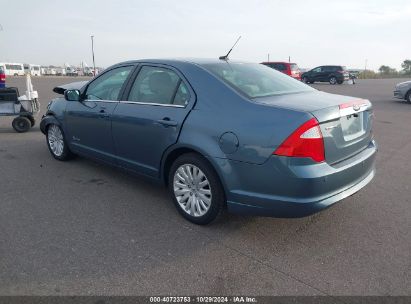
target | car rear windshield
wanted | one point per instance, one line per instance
(256, 80)
(294, 67)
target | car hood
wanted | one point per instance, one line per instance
(405, 82)
(70, 86)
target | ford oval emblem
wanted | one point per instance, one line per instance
(356, 107)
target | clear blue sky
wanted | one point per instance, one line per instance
(311, 32)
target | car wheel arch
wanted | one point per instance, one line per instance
(47, 120)
(172, 154)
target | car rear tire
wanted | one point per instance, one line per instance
(332, 80)
(21, 124)
(57, 144)
(196, 189)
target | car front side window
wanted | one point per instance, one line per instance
(157, 85)
(108, 86)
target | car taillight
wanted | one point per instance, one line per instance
(306, 141)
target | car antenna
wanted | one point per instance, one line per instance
(226, 56)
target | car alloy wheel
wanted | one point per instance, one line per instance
(55, 140)
(196, 189)
(333, 80)
(192, 190)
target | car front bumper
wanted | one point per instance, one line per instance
(399, 94)
(282, 188)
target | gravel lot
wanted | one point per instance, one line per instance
(69, 228)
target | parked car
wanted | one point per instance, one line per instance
(2, 78)
(403, 91)
(291, 69)
(327, 73)
(219, 133)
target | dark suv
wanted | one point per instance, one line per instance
(326, 73)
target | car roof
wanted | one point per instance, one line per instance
(284, 62)
(178, 61)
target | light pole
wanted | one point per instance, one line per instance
(92, 52)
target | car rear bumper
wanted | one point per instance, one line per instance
(283, 188)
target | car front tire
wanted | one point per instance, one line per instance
(196, 189)
(408, 97)
(57, 144)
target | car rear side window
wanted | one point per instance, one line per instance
(182, 95)
(108, 85)
(255, 80)
(158, 85)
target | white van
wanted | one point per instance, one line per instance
(12, 69)
(32, 69)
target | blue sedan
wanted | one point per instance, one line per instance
(219, 134)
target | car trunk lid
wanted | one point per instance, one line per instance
(345, 122)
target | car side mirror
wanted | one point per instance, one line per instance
(72, 95)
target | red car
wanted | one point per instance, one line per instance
(291, 69)
(2, 78)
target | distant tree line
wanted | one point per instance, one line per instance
(386, 71)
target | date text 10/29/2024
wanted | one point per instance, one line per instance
(203, 299)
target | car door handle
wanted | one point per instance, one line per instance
(166, 122)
